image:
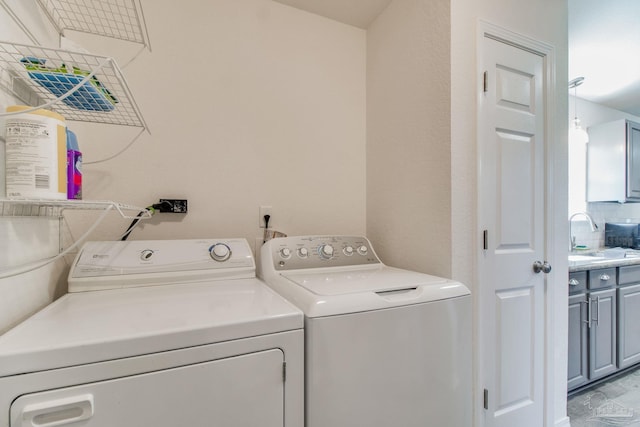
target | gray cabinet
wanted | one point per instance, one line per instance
(601, 278)
(578, 370)
(628, 315)
(593, 326)
(602, 323)
(633, 161)
(629, 325)
(613, 162)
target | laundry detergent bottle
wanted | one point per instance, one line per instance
(74, 167)
(35, 154)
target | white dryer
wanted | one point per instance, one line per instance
(383, 346)
(172, 333)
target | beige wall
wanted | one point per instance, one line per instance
(249, 103)
(408, 135)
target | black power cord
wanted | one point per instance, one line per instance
(266, 228)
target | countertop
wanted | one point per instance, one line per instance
(586, 261)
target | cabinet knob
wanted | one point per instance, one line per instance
(604, 277)
(574, 282)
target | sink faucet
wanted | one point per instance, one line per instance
(572, 238)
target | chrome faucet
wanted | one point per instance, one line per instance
(572, 238)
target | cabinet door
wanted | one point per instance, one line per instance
(628, 325)
(577, 369)
(633, 160)
(602, 334)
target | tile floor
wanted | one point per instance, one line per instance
(614, 402)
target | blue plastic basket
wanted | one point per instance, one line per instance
(91, 96)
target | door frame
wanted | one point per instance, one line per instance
(555, 294)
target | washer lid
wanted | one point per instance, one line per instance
(344, 290)
(364, 279)
(97, 326)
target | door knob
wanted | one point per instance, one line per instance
(541, 267)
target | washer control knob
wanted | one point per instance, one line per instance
(303, 252)
(348, 250)
(285, 252)
(146, 254)
(220, 252)
(363, 250)
(325, 251)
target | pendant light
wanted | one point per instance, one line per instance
(576, 132)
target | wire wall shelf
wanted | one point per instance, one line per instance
(79, 86)
(118, 19)
(55, 208)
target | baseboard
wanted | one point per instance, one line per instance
(564, 422)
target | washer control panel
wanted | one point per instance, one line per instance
(298, 252)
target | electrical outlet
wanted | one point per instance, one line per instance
(264, 210)
(173, 205)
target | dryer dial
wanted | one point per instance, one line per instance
(220, 252)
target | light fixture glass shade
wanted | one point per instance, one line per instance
(577, 134)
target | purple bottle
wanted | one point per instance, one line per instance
(74, 167)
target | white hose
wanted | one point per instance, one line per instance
(12, 272)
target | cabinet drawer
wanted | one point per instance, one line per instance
(602, 278)
(629, 274)
(577, 282)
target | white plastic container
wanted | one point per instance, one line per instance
(35, 155)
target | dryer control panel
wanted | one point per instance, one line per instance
(299, 252)
(120, 264)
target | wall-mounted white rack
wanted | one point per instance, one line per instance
(55, 208)
(79, 86)
(118, 19)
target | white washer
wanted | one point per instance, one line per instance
(383, 346)
(213, 345)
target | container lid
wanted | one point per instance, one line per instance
(39, 112)
(72, 141)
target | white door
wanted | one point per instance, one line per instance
(511, 208)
